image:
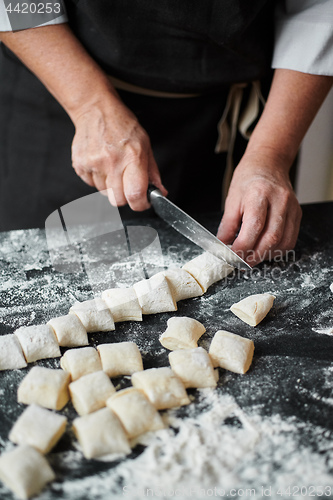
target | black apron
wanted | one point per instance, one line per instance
(36, 176)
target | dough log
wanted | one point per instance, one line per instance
(207, 269)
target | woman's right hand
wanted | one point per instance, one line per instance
(111, 150)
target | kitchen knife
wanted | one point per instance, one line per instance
(190, 228)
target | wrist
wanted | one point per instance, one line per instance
(92, 94)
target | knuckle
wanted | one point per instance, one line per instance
(257, 223)
(273, 239)
(135, 196)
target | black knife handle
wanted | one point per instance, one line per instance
(152, 188)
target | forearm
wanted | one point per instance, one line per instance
(293, 102)
(58, 59)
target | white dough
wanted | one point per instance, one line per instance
(182, 333)
(194, 367)
(162, 387)
(331, 287)
(94, 315)
(135, 412)
(100, 434)
(123, 304)
(81, 361)
(38, 342)
(90, 392)
(69, 331)
(39, 428)
(45, 387)
(231, 351)
(154, 295)
(25, 471)
(254, 308)
(207, 269)
(182, 284)
(121, 358)
(11, 354)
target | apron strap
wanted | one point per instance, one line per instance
(227, 133)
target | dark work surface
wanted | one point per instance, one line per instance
(291, 377)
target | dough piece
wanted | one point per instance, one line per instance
(90, 392)
(94, 315)
(182, 284)
(45, 387)
(123, 304)
(25, 471)
(81, 361)
(135, 412)
(39, 428)
(194, 367)
(100, 434)
(154, 295)
(69, 331)
(38, 342)
(254, 308)
(122, 358)
(331, 287)
(231, 351)
(11, 354)
(162, 387)
(182, 333)
(207, 269)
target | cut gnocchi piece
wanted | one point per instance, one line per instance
(123, 304)
(154, 295)
(135, 412)
(69, 331)
(182, 284)
(94, 315)
(90, 392)
(25, 471)
(39, 428)
(162, 387)
(11, 354)
(45, 387)
(254, 308)
(38, 342)
(81, 361)
(194, 367)
(182, 333)
(231, 351)
(100, 434)
(121, 358)
(331, 287)
(207, 269)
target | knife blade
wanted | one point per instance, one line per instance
(191, 229)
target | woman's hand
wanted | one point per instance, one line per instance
(262, 206)
(261, 203)
(111, 150)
